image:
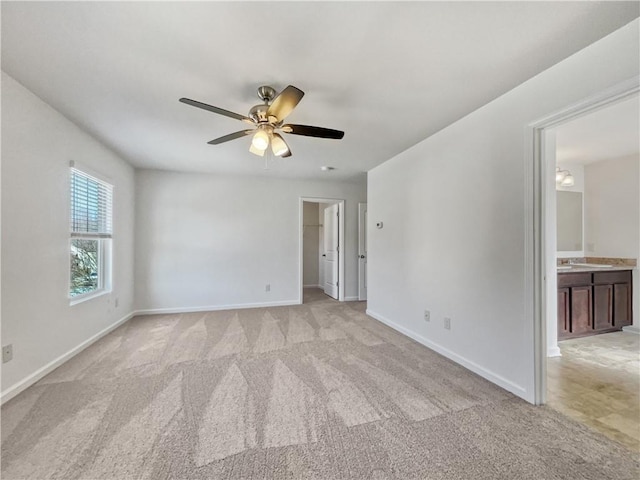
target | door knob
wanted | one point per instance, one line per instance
(324, 255)
(361, 256)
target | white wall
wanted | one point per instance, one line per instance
(612, 208)
(311, 243)
(37, 145)
(210, 241)
(612, 214)
(453, 208)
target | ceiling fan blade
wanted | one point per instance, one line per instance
(231, 136)
(256, 151)
(219, 111)
(284, 103)
(309, 131)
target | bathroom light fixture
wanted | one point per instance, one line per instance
(564, 178)
(567, 181)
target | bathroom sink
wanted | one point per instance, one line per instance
(564, 267)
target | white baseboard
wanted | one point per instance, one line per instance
(311, 286)
(468, 364)
(553, 352)
(212, 308)
(351, 299)
(632, 329)
(25, 383)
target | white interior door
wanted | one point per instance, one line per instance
(362, 251)
(331, 250)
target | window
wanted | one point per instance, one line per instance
(90, 243)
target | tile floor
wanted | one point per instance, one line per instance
(597, 382)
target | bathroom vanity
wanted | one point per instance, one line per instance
(593, 300)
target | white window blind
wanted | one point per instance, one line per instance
(91, 201)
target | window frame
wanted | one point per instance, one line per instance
(104, 240)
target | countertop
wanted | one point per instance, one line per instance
(578, 269)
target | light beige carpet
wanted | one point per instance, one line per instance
(317, 391)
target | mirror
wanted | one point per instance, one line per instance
(569, 221)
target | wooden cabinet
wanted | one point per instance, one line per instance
(593, 302)
(602, 306)
(581, 309)
(622, 304)
(564, 327)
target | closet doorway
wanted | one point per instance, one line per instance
(321, 247)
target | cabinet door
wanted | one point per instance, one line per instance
(602, 307)
(581, 310)
(622, 304)
(564, 326)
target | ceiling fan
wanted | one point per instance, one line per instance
(268, 120)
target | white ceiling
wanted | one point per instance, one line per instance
(388, 74)
(611, 132)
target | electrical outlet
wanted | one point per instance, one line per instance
(427, 316)
(447, 323)
(7, 353)
(267, 287)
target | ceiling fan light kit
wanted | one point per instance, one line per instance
(278, 145)
(268, 118)
(260, 139)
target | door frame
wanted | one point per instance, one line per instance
(341, 276)
(362, 229)
(538, 230)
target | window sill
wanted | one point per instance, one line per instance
(87, 296)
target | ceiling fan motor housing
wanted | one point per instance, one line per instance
(258, 113)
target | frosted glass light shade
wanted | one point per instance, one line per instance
(567, 181)
(278, 146)
(260, 140)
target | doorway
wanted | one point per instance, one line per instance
(588, 191)
(321, 248)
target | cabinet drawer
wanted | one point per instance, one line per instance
(602, 278)
(573, 279)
